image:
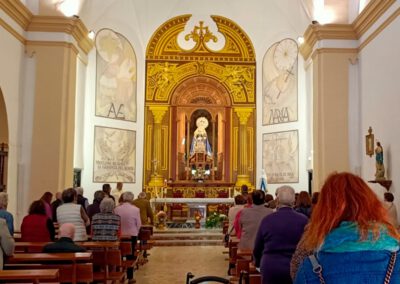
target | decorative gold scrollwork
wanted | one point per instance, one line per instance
(240, 80)
(201, 35)
(161, 75)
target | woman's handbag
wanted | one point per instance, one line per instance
(317, 268)
(226, 237)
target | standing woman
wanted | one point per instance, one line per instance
(37, 226)
(70, 212)
(303, 204)
(106, 225)
(352, 238)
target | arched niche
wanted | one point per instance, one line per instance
(200, 96)
(3, 143)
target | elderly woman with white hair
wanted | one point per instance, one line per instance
(5, 214)
(106, 226)
(277, 238)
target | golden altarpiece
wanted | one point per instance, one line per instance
(199, 111)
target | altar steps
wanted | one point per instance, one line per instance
(188, 237)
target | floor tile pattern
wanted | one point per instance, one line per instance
(169, 265)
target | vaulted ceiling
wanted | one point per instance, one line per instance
(337, 11)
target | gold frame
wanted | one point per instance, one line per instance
(369, 143)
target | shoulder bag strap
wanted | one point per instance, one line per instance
(317, 268)
(390, 268)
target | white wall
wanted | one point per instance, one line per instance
(10, 73)
(265, 22)
(380, 101)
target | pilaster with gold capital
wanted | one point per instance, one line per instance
(243, 176)
(243, 113)
(158, 114)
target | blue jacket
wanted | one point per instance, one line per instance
(347, 260)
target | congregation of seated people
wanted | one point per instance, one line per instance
(341, 234)
(69, 221)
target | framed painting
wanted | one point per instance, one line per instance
(281, 156)
(114, 155)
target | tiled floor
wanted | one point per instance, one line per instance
(169, 265)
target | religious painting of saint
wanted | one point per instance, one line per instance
(280, 78)
(281, 157)
(115, 76)
(114, 155)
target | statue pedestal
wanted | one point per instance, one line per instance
(156, 180)
(243, 179)
(384, 182)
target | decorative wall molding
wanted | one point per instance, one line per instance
(72, 26)
(334, 50)
(374, 34)
(13, 32)
(315, 33)
(17, 11)
(52, 44)
(32, 23)
(372, 12)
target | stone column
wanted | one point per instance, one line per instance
(53, 126)
(243, 176)
(158, 115)
(330, 113)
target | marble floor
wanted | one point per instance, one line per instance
(169, 265)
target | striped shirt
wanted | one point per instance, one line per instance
(105, 227)
(71, 213)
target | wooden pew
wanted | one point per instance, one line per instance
(22, 247)
(31, 276)
(70, 264)
(110, 263)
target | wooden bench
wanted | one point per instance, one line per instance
(69, 264)
(110, 264)
(29, 246)
(31, 276)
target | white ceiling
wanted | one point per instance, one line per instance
(344, 11)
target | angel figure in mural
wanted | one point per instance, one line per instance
(200, 143)
(380, 168)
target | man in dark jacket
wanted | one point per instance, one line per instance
(65, 242)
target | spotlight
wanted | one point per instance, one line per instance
(314, 22)
(300, 40)
(91, 34)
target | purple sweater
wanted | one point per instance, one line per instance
(276, 241)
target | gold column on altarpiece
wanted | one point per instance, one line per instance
(243, 175)
(158, 115)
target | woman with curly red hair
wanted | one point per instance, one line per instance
(350, 235)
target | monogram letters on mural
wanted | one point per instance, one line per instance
(280, 83)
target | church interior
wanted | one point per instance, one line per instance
(191, 101)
